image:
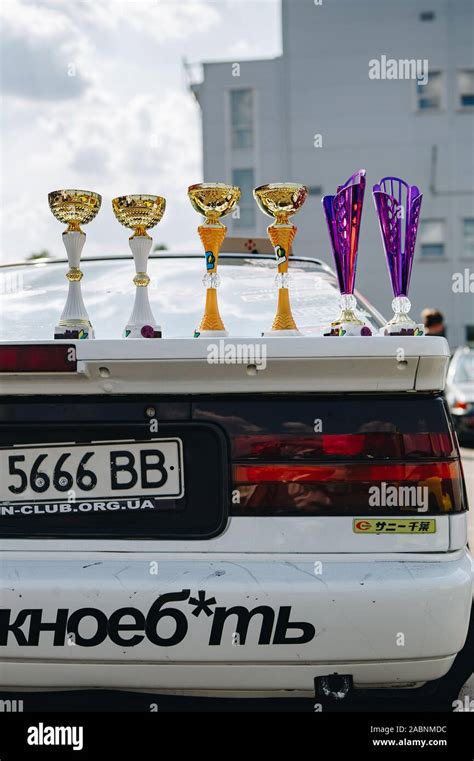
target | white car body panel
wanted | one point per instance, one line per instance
(354, 608)
(299, 364)
(371, 588)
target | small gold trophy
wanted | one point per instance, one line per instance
(212, 200)
(140, 213)
(74, 207)
(281, 200)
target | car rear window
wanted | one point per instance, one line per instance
(34, 296)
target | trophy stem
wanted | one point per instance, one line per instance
(347, 313)
(281, 236)
(74, 321)
(348, 324)
(211, 320)
(284, 319)
(401, 323)
(142, 323)
(212, 237)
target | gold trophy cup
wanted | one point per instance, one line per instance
(213, 200)
(140, 213)
(74, 208)
(281, 201)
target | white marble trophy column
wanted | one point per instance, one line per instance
(74, 318)
(142, 323)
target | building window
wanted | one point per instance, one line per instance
(430, 95)
(468, 237)
(245, 179)
(469, 332)
(431, 238)
(466, 88)
(241, 118)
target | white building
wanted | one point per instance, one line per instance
(314, 115)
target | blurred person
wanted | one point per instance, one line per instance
(433, 321)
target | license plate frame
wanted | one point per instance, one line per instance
(171, 449)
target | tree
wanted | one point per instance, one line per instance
(160, 247)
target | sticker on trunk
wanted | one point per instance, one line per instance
(395, 526)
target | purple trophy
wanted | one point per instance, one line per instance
(343, 215)
(395, 200)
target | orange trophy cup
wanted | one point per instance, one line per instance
(281, 201)
(213, 200)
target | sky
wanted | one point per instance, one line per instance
(94, 97)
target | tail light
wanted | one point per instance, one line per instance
(333, 474)
(358, 454)
(459, 405)
(37, 358)
(361, 445)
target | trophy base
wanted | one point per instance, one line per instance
(407, 328)
(73, 332)
(142, 331)
(280, 333)
(210, 334)
(347, 329)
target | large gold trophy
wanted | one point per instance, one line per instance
(281, 201)
(74, 208)
(213, 200)
(140, 213)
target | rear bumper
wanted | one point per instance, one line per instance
(224, 679)
(386, 620)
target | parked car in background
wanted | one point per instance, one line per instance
(460, 393)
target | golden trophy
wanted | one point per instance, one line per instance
(213, 200)
(281, 200)
(140, 213)
(74, 207)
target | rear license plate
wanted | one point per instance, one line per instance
(70, 472)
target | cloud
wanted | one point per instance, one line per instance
(32, 70)
(39, 52)
(123, 124)
(149, 144)
(162, 19)
(50, 48)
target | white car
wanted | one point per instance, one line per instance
(264, 517)
(460, 393)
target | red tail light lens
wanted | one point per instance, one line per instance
(458, 405)
(360, 445)
(349, 488)
(356, 471)
(357, 454)
(33, 358)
